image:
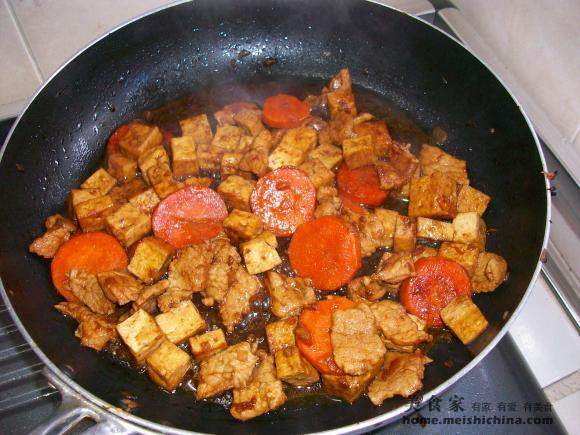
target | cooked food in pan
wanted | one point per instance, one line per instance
(258, 252)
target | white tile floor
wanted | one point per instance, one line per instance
(37, 36)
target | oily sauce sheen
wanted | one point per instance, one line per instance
(212, 99)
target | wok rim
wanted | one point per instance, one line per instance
(372, 423)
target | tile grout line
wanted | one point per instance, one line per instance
(24, 41)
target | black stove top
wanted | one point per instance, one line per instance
(500, 395)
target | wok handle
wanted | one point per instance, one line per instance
(73, 409)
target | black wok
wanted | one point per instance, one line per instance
(60, 137)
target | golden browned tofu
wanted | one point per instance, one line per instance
(236, 192)
(470, 199)
(395, 267)
(358, 151)
(198, 181)
(140, 139)
(198, 128)
(100, 180)
(91, 214)
(463, 317)
(181, 322)
(434, 230)
(250, 120)
(293, 148)
(81, 195)
(172, 298)
(121, 194)
(490, 272)
(401, 375)
(230, 163)
(167, 365)
(292, 368)
(226, 139)
(156, 156)
(262, 393)
(184, 156)
(145, 201)
(242, 225)
(346, 387)
(380, 136)
(318, 173)
(150, 259)
(468, 229)
(461, 253)
(140, 334)
(161, 179)
(433, 196)
(340, 97)
(230, 368)
(207, 158)
(280, 334)
(329, 155)
(405, 234)
(121, 167)
(128, 224)
(119, 286)
(260, 253)
(288, 295)
(388, 220)
(434, 159)
(205, 345)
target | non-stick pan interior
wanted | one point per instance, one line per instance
(60, 140)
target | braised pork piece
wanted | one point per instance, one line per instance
(238, 254)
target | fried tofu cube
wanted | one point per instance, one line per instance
(431, 229)
(463, 317)
(346, 387)
(433, 196)
(121, 167)
(119, 286)
(198, 128)
(230, 162)
(81, 195)
(490, 272)
(358, 151)
(145, 201)
(205, 345)
(329, 155)
(161, 179)
(280, 334)
(198, 181)
(167, 365)
(461, 253)
(380, 136)
(91, 214)
(184, 156)
(388, 220)
(405, 234)
(156, 156)
(250, 120)
(260, 253)
(242, 225)
(293, 148)
(181, 322)
(434, 159)
(128, 224)
(236, 192)
(292, 368)
(139, 139)
(141, 334)
(150, 259)
(471, 199)
(318, 173)
(226, 139)
(467, 227)
(100, 180)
